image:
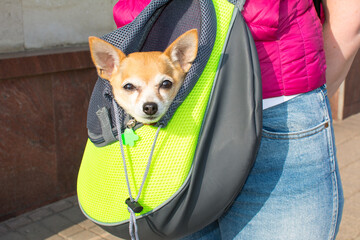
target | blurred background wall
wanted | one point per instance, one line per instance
(39, 24)
(46, 79)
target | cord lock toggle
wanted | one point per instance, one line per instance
(135, 206)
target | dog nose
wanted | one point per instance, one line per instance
(150, 108)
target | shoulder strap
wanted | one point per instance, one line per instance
(238, 3)
(317, 6)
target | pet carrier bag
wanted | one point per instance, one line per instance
(184, 172)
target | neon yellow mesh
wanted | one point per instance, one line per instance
(102, 188)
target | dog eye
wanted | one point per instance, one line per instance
(129, 87)
(166, 84)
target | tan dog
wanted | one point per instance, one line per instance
(145, 83)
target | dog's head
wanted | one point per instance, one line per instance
(145, 83)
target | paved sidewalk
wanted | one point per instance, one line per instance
(347, 135)
(64, 220)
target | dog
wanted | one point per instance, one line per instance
(144, 84)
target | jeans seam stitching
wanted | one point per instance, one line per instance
(335, 206)
(335, 186)
(333, 172)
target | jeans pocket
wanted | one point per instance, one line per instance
(300, 117)
(295, 134)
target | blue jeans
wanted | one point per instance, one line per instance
(294, 189)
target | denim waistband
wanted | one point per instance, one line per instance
(271, 102)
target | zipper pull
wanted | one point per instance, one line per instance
(129, 136)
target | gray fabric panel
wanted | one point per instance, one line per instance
(226, 149)
(182, 17)
(107, 133)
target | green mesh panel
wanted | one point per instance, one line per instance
(102, 188)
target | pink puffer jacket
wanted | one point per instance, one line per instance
(125, 11)
(288, 38)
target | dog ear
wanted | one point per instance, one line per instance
(184, 49)
(105, 56)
